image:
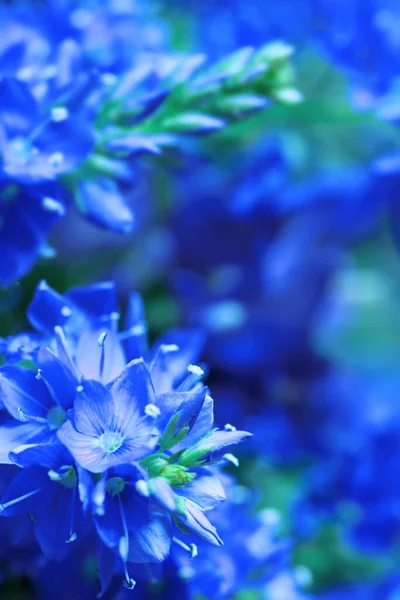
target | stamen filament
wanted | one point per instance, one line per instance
(63, 352)
(50, 389)
(24, 417)
(129, 583)
(72, 534)
(191, 549)
(192, 380)
(100, 341)
(19, 499)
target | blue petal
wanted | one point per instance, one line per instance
(201, 427)
(85, 488)
(51, 455)
(93, 409)
(90, 356)
(195, 521)
(15, 434)
(221, 442)
(136, 324)
(169, 370)
(98, 300)
(49, 309)
(205, 490)
(149, 529)
(31, 484)
(26, 225)
(106, 561)
(60, 507)
(132, 391)
(61, 382)
(21, 391)
(163, 493)
(103, 203)
(18, 106)
(186, 407)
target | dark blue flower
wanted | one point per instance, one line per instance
(46, 489)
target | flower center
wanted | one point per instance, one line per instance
(111, 442)
(56, 417)
(115, 486)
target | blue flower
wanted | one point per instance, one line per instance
(110, 426)
(36, 150)
(129, 447)
(47, 489)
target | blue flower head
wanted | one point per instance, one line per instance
(128, 448)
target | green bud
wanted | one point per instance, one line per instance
(157, 466)
(170, 437)
(193, 457)
(177, 476)
(149, 459)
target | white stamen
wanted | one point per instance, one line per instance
(167, 348)
(22, 415)
(232, 459)
(191, 549)
(52, 205)
(229, 427)
(66, 311)
(142, 488)
(102, 339)
(19, 499)
(151, 410)
(195, 370)
(56, 159)
(59, 113)
(108, 79)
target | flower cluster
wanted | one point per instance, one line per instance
(75, 114)
(163, 146)
(126, 447)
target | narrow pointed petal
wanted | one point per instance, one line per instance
(205, 490)
(20, 390)
(194, 521)
(13, 434)
(132, 391)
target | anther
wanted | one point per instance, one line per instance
(191, 549)
(66, 311)
(195, 373)
(229, 427)
(59, 113)
(102, 339)
(232, 459)
(151, 410)
(142, 488)
(52, 205)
